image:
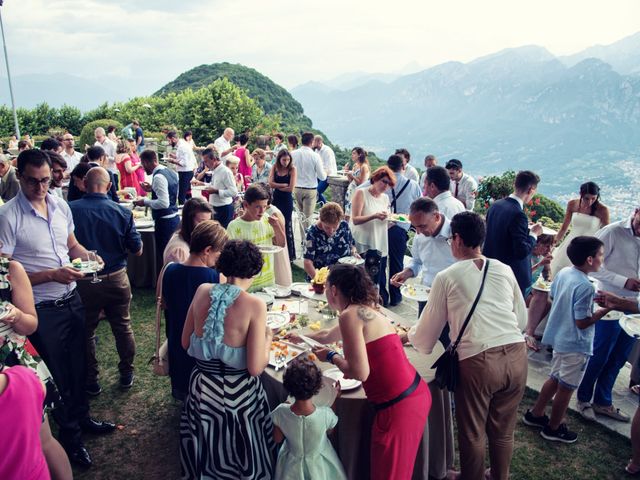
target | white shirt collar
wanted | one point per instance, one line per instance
(518, 199)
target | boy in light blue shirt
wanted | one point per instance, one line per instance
(570, 330)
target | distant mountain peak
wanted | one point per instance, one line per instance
(525, 53)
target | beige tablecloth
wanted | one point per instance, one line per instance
(352, 434)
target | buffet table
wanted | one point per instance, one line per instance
(351, 438)
(143, 270)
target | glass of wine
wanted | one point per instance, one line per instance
(93, 264)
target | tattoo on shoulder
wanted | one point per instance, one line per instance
(365, 314)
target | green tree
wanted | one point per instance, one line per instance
(70, 119)
(87, 136)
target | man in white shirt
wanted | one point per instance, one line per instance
(611, 345)
(222, 187)
(69, 153)
(463, 186)
(328, 162)
(185, 162)
(409, 170)
(309, 169)
(429, 161)
(437, 187)
(430, 252)
(223, 143)
(110, 149)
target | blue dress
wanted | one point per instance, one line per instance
(225, 427)
(179, 286)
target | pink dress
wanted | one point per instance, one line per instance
(21, 420)
(243, 168)
(135, 160)
(397, 430)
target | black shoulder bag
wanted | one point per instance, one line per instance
(446, 366)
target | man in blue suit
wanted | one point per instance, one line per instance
(508, 236)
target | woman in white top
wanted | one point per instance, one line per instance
(195, 211)
(369, 211)
(492, 352)
(586, 215)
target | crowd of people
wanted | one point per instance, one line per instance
(216, 209)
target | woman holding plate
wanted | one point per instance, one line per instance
(328, 240)
(373, 354)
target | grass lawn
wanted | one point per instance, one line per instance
(146, 445)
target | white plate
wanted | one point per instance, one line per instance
(277, 320)
(345, 383)
(631, 325)
(351, 260)
(399, 218)
(144, 223)
(269, 249)
(546, 287)
(310, 294)
(268, 299)
(86, 267)
(278, 291)
(421, 293)
(299, 287)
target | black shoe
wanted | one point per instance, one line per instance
(126, 381)
(562, 434)
(89, 425)
(93, 389)
(531, 420)
(79, 456)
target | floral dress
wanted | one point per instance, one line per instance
(15, 349)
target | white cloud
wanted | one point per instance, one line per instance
(147, 43)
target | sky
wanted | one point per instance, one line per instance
(140, 45)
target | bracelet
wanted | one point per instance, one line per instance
(330, 356)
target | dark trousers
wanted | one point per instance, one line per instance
(60, 341)
(164, 228)
(444, 335)
(184, 186)
(224, 214)
(322, 187)
(397, 246)
(113, 295)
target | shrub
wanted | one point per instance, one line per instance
(87, 137)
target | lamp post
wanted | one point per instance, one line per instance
(6, 59)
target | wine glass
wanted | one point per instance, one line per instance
(93, 264)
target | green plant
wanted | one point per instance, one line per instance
(87, 135)
(543, 207)
(493, 188)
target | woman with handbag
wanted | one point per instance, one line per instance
(177, 284)
(374, 354)
(486, 364)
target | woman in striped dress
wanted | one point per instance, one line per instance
(225, 429)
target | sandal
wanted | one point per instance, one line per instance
(611, 412)
(632, 469)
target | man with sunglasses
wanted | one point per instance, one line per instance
(36, 229)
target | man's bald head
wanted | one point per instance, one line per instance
(97, 180)
(228, 134)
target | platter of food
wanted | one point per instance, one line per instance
(277, 320)
(278, 291)
(417, 292)
(542, 285)
(351, 260)
(631, 325)
(282, 353)
(144, 223)
(85, 266)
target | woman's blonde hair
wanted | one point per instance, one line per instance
(208, 234)
(259, 153)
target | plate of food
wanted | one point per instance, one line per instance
(399, 218)
(85, 266)
(541, 285)
(277, 320)
(346, 384)
(351, 260)
(417, 292)
(268, 299)
(298, 287)
(282, 353)
(278, 291)
(269, 249)
(144, 223)
(631, 325)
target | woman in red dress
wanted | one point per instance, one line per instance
(373, 353)
(128, 168)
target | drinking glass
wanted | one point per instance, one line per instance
(93, 264)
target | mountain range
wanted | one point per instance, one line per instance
(571, 119)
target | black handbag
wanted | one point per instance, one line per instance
(447, 368)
